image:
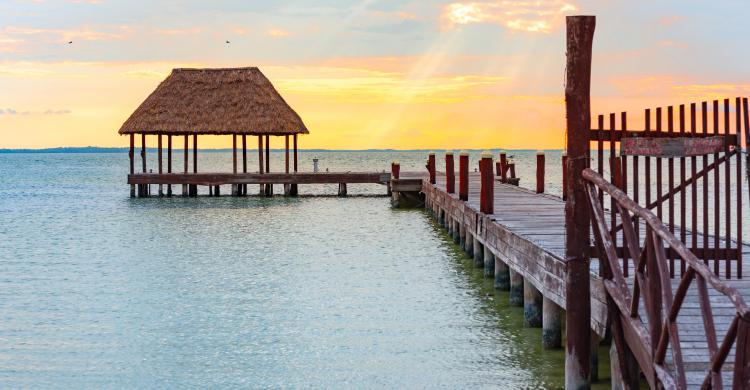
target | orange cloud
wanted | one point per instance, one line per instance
(518, 15)
(278, 33)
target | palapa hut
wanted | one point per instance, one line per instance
(229, 101)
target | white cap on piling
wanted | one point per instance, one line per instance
(394, 162)
(448, 152)
(538, 152)
(431, 154)
(565, 153)
(463, 153)
(486, 154)
(502, 151)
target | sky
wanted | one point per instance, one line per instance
(364, 74)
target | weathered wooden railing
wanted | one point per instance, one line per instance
(650, 338)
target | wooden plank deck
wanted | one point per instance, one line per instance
(258, 178)
(527, 232)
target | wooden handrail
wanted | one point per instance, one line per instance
(667, 237)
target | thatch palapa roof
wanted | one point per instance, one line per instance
(215, 101)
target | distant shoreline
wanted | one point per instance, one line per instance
(93, 149)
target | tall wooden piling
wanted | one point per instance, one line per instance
(565, 174)
(261, 170)
(395, 169)
(539, 172)
(235, 190)
(450, 174)
(431, 167)
(580, 34)
(463, 176)
(486, 197)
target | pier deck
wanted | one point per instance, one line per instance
(527, 232)
(213, 179)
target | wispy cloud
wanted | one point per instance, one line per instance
(12, 111)
(367, 86)
(14, 36)
(520, 15)
(179, 32)
(278, 33)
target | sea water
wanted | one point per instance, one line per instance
(99, 290)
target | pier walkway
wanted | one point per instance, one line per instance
(526, 233)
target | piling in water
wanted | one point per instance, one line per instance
(502, 277)
(532, 306)
(516, 288)
(551, 324)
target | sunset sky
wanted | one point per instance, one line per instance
(363, 74)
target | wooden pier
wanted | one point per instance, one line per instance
(525, 236)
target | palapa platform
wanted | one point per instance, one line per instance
(527, 232)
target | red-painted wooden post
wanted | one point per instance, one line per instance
(565, 175)
(450, 174)
(580, 36)
(539, 172)
(503, 167)
(395, 170)
(431, 167)
(487, 191)
(463, 176)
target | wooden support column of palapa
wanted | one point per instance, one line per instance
(194, 187)
(261, 170)
(235, 187)
(287, 187)
(169, 162)
(143, 188)
(269, 187)
(244, 161)
(131, 154)
(158, 137)
(580, 34)
(185, 191)
(294, 186)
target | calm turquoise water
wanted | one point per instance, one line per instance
(98, 290)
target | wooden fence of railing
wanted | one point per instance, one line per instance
(649, 338)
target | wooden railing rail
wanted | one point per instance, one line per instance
(650, 340)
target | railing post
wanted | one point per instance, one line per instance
(395, 170)
(463, 176)
(580, 34)
(431, 167)
(450, 174)
(539, 172)
(486, 197)
(503, 167)
(742, 357)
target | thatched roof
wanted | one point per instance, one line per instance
(215, 101)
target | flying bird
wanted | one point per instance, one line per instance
(228, 42)
(70, 42)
